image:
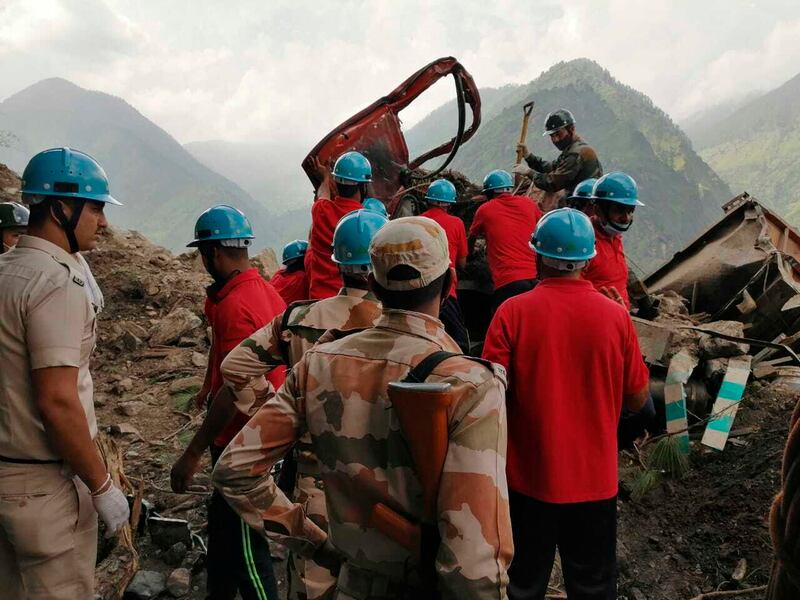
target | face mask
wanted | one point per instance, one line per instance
(615, 229)
(564, 143)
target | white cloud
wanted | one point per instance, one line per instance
(280, 70)
(738, 71)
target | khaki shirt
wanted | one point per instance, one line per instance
(46, 320)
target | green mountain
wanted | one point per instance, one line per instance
(164, 188)
(757, 148)
(271, 173)
(681, 192)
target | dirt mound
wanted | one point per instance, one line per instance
(687, 536)
(9, 185)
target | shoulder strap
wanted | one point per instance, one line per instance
(283, 345)
(425, 367)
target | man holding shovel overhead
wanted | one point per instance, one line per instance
(577, 161)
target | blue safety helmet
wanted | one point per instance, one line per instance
(220, 223)
(583, 191)
(498, 180)
(293, 250)
(375, 205)
(564, 234)
(65, 173)
(617, 187)
(352, 236)
(441, 190)
(352, 168)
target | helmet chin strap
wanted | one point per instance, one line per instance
(68, 224)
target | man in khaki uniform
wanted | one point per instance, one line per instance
(283, 342)
(53, 482)
(338, 393)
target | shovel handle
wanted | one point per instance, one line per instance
(527, 109)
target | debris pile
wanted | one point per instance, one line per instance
(725, 377)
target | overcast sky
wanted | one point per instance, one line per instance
(268, 69)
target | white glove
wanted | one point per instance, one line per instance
(112, 506)
(522, 169)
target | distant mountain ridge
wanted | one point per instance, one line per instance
(757, 148)
(163, 187)
(629, 132)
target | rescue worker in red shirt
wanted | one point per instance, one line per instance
(507, 222)
(616, 197)
(440, 196)
(581, 197)
(351, 175)
(375, 205)
(290, 280)
(238, 303)
(573, 362)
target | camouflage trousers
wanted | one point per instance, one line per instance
(308, 580)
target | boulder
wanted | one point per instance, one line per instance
(166, 532)
(179, 582)
(146, 585)
(175, 554)
(714, 347)
(130, 409)
(199, 360)
(177, 324)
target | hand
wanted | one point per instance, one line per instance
(112, 506)
(329, 557)
(613, 293)
(522, 169)
(523, 149)
(321, 170)
(183, 471)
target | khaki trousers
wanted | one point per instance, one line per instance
(48, 534)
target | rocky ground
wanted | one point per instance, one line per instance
(150, 360)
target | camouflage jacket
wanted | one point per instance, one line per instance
(338, 393)
(287, 337)
(573, 165)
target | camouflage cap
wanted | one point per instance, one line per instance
(416, 242)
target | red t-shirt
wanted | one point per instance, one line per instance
(609, 267)
(323, 275)
(507, 223)
(571, 355)
(245, 304)
(456, 237)
(290, 286)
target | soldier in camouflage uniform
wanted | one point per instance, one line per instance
(338, 393)
(284, 341)
(577, 161)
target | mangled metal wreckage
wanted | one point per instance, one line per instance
(729, 309)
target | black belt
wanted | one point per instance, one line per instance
(29, 461)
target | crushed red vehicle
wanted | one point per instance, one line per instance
(376, 132)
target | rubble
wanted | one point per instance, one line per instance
(146, 585)
(179, 582)
(166, 532)
(714, 347)
(177, 324)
